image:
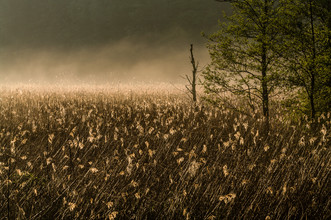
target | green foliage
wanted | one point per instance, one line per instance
(306, 51)
(242, 53)
(268, 46)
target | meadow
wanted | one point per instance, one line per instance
(122, 154)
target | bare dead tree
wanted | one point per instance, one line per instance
(192, 82)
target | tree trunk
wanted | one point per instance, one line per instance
(313, 66)
(265, 95)
(264, 67)
(194, 73)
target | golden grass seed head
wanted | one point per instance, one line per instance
(266, 148)
(302, 141)
(180, 160)
(241, 142)
(193, 168)
(50, 138)
(93, 170)
(227, 198)
(112, 216)
(204, 149)
(72, 206)
(226, 144)
(225, 170)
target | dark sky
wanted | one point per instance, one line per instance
(103, 40)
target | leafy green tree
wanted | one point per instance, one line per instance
(242, 54)
(306, 51)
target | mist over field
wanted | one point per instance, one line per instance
(121, 62)
(102, 41)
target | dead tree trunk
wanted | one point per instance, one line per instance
(192, 87)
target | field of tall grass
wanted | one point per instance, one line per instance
(102, 154)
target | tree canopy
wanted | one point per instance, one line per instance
(268, 45)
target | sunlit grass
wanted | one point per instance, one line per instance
(120, 153)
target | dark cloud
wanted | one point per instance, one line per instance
(113, 39)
